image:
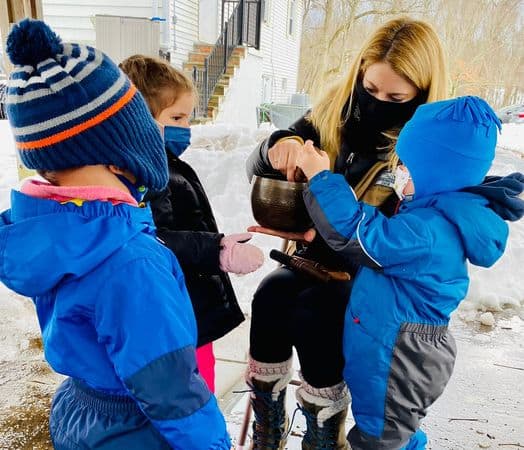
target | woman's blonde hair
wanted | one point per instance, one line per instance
(157, 80)
(413, 50)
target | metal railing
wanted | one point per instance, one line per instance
(241, 20)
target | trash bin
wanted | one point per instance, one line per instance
(281, 115)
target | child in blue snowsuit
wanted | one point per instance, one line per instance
(111, 300)
(399, 353)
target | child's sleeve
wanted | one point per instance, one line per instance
(195, 250)
(386, 244)
(145, 319)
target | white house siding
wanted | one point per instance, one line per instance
(184, 32)
(71, 19)
(238, 106)
(280, 51)
(209, 23)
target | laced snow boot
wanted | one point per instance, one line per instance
(268, 382)
(325, 410)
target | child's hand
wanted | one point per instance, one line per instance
(238, 257)
(312, 160)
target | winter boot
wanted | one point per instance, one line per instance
(268, 382)
(325, 410)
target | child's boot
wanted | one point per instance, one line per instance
(325, 410)
(268, 382)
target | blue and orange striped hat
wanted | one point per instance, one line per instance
(69, 105)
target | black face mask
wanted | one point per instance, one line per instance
(377, 115)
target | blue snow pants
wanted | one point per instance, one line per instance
(84, 418)
(392, 384)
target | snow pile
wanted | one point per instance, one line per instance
(218, 153)
(512, 137)
(502, 285)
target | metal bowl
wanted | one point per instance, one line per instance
(279, 205)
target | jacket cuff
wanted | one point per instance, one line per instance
(319, 177)
(288, 138)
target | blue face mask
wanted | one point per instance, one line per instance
(177, 139)
(137, 191)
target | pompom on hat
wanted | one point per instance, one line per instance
(449, 145)
(69, 105)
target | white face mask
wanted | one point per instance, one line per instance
(402, 178)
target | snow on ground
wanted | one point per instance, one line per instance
(512, 137)
(478, 391)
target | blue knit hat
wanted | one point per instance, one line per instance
(449, 145)
(69, 105)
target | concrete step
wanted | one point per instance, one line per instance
(220, 89)
(215, 100)
(240, 51)
(189, 66)
(212, 112)
(203, 48)
(196, 57)
(234, 60)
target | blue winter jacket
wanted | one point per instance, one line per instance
(113, 309)
(415, 262)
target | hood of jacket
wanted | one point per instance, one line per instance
(44, 242)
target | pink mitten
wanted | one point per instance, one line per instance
(238, 257)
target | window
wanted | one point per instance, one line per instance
(292, 14)
(283, 85)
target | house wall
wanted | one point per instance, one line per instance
(185, 30)
(280, 50)
(209, 20)
(71, 19)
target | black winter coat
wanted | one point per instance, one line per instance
(185, 223)
(358, 153)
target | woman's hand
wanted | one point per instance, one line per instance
(283, 157)
(312, 160)
(306, 236)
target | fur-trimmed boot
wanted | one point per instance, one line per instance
(325, 410)
(268, 382)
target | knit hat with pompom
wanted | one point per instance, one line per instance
(69, 105)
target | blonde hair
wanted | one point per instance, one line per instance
(158, 81)
(413, 50)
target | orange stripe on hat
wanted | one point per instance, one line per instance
(66, 134)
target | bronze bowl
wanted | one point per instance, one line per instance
(278, 204)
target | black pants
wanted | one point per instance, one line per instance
(289, 310)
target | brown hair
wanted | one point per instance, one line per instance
(159, 82)
(48, 175)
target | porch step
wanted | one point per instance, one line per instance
(196, 59)
(203, 48)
